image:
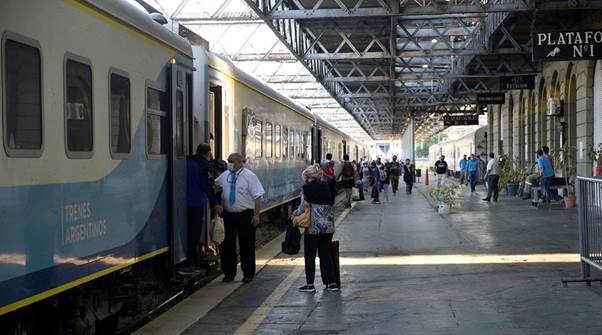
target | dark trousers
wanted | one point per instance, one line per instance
(492, 186)
(319, 243)
(332, 187)
(545, 187)
(474, 179)
(409, 185)
(195, 223)
(241, 225)
(394, 183)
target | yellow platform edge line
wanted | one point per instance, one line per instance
(77, 282)
(120, 25)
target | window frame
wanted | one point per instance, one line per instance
(278, 141)
(260, 140)
(120, 155)
(10, 152)
(285, 144)
(155, 86)
(83, 60)
(269, 147)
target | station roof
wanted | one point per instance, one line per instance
(375, 63)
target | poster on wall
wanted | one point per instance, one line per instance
(491, 98)
(460, 120)
(567, 45)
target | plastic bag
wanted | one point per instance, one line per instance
(219, 232)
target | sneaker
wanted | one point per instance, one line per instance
(247, 280)
(332, 287)
(308, 288)
(485, 199)
(227, 279)
(188, 271)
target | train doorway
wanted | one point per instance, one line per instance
(215, 120)
(179, 142)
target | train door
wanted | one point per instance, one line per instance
(215, 120)
(345, 152)
(179, 116)
(316, 133)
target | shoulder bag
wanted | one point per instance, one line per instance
(303, 220)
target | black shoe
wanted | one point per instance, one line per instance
(227, 279)
(247, 280)
(332, 287)
(494, 200)
(308, 288)
(485, 199)
(188, 271)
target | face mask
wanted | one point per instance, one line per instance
(230, 167)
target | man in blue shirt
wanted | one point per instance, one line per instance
(544, 166)
(199, 192)
(463, 164)
(472, 166)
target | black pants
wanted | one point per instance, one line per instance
(492, 186)
(409, 185)
(241, 225)
(321, 244)
(332, 187)
(394, 182)
(195, 223)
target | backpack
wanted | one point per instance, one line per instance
(347, 170)
(292, 241)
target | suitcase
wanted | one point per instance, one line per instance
(334, 253)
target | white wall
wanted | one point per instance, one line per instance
(407, 143)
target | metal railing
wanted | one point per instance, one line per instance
(589, 199)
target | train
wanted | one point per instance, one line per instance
(474, 142)
(102, 104)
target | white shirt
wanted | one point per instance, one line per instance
(248, 188)
(492, 167)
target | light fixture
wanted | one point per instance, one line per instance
(434, 40)
(425, 66)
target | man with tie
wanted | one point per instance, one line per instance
(241, 202)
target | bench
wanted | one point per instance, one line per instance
(556, 183)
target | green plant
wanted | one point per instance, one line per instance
(594, 153)
(447, 193)
(511, 171)
(565, 158)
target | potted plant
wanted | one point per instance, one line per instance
(565, 158)
(511, 174)
(445, 196)
(595, 154)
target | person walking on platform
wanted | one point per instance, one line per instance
(374, 181)
(384, 182)
(463, 163)
(441, 170)
(409, 175)
(394, 173)
(546, 170)
(241, 200)
(199, 191)
(330, 178)
(472, 168)
(318, 237)
(493, 177)
(348, 174)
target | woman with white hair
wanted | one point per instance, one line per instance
(318, 237)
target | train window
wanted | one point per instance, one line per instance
(308, 151)
(157, 139)
(22, 68)
(296, 145)
(277, 141)
(268, 140)
(285, 152)
(78, 107)
(258, 139)
(119, 106)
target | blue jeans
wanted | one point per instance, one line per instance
(474, 179)
(545, 187)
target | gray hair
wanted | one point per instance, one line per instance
(312, 171)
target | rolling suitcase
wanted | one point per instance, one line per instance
(334, 253)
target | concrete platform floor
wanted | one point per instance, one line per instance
(484, 269)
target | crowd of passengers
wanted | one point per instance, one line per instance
(229, 191)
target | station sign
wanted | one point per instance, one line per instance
(567, 45)
(460, 120)
(517, 82)
(491, 98)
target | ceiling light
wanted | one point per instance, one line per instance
(425, 66)
(434, 40)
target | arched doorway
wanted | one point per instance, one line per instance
(510, 136)
(543, 118)
(531, 117)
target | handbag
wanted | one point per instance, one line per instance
(292, 241)
(303, 220)
(219, 232)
